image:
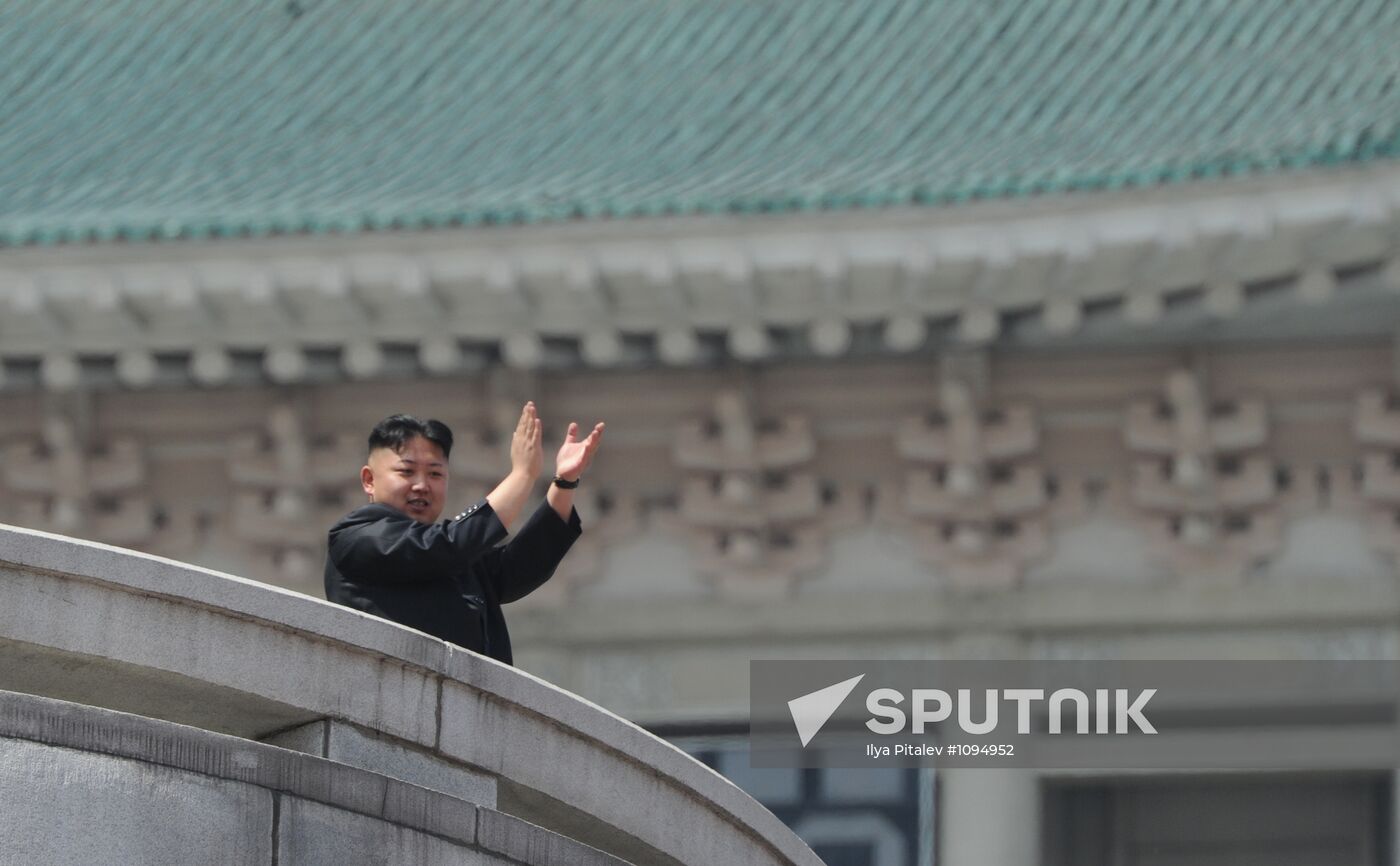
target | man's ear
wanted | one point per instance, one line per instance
(367, 481)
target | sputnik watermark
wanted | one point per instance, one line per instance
(944, 750)
(1114, 710)
(1080, 714)
(811, 711)
(932, 706)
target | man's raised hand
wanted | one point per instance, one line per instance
(575, 454)
(526, 461)
(527, 444)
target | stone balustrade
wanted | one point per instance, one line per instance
(248, 722)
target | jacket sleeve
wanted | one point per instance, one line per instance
(522, 566)
(395, 547)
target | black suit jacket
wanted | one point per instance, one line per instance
(448, 579)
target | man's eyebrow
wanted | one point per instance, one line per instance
(415, 462)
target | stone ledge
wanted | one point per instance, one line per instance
(314, 834)
(346, 744)
(65, 807)
(230, 594)
(629, 741)
(524, 842)
(92, 611)
(153, 741)
(101, 643)
(300, 777)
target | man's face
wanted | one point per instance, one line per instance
(413, 480)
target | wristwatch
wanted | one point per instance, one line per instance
(565, 483)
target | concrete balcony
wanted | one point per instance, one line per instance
(164, 708)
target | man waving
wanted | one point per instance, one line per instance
(394, 558)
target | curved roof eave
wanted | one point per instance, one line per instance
(142, 121)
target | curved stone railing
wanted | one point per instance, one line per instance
(80, 784)
(109, 628)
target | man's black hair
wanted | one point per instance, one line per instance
(395, 431)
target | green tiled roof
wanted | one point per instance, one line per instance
(171, 118)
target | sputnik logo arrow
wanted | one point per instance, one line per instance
(811, 711)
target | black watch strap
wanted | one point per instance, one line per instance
(565, 483)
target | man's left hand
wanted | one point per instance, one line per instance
(575, 454)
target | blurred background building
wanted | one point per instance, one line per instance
(921, 329)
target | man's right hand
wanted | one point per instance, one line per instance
(527, 444)
(526, 463)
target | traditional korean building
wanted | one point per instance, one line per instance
(921, 330)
